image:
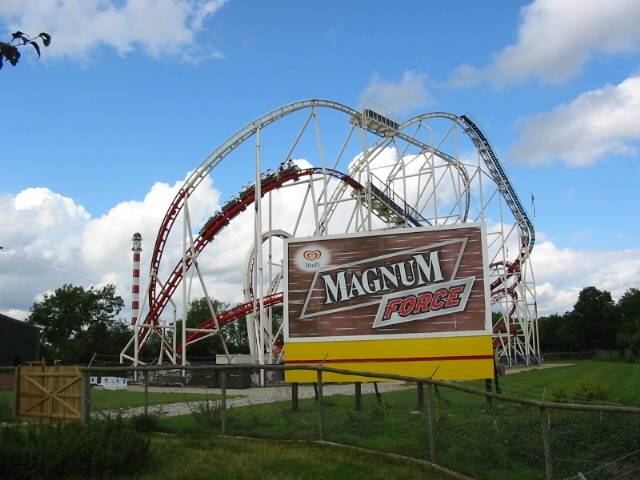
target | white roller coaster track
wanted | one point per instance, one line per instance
(516, 312)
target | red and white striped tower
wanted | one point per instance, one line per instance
(135, 288)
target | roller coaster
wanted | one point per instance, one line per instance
(434, 169)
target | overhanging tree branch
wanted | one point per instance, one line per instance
(10, 52)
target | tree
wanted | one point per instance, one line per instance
(76, 323)
(557, 333)
(199, 313)
(235, 333)
(10, 52)
(595, 320)
(629, 330)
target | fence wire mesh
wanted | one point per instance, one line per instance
(486, 438)
(596, 445)
(457, 426)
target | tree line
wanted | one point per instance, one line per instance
(595, 322)
(75, 323)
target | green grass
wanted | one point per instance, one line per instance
(115, 399)
(199, 457)
(502, 441)
(622, 380)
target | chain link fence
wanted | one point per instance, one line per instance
(463, 428)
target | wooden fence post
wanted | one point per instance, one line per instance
(488, 388)
(358, 396)
(294, 397)
(431, 424)
(378, 394)
(85, 400)
(223, 391)
(320, 406)
(546, 441)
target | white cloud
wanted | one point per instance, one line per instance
(557, 37)
(562, 272)
(53, 240)
(49, 226)
(157, 27)
(404, 96)
(593, 125)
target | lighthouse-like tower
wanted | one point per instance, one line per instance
(135, 286)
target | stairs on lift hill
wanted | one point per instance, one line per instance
(389, 206)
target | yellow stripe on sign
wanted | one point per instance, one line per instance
(449, 358)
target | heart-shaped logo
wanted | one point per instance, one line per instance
(312, 255)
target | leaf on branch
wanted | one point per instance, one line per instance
(14, 56)
(36, 46)
(46, 38)
(9, 52)
(20, 36)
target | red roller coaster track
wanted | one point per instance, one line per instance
(235, 313)
(230, 210)
(212, 228)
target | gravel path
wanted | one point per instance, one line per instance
(257, 396)
(511, 371)
(252, 396)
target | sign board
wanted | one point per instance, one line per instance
(408, 301)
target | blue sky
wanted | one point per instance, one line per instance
(113, 107)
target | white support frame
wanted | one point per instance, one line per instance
(426, 174)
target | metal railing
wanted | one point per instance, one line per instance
(384, 193)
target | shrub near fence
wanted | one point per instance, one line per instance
(482, 434)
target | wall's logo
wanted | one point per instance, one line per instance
(312, 255)
(312, 258)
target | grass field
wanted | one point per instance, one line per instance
(620, 380)
(197, 457)
(499, 441)
(471, 436)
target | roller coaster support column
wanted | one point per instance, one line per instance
(185, 306)
(136, 347)
(270, 276)
(257, 287)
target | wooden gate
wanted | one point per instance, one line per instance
(49, 394)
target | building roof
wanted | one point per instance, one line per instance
(7, 319)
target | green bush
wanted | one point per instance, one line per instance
(145, 423)
(6, 410)
(207, 414)
(100, 449)
(559, 394)
(590, 390)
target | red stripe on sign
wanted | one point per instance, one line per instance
(135, 289)
(135, 305)
(136, 272)
(136, 257)
(392, 360)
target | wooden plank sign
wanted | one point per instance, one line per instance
(410, 301)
